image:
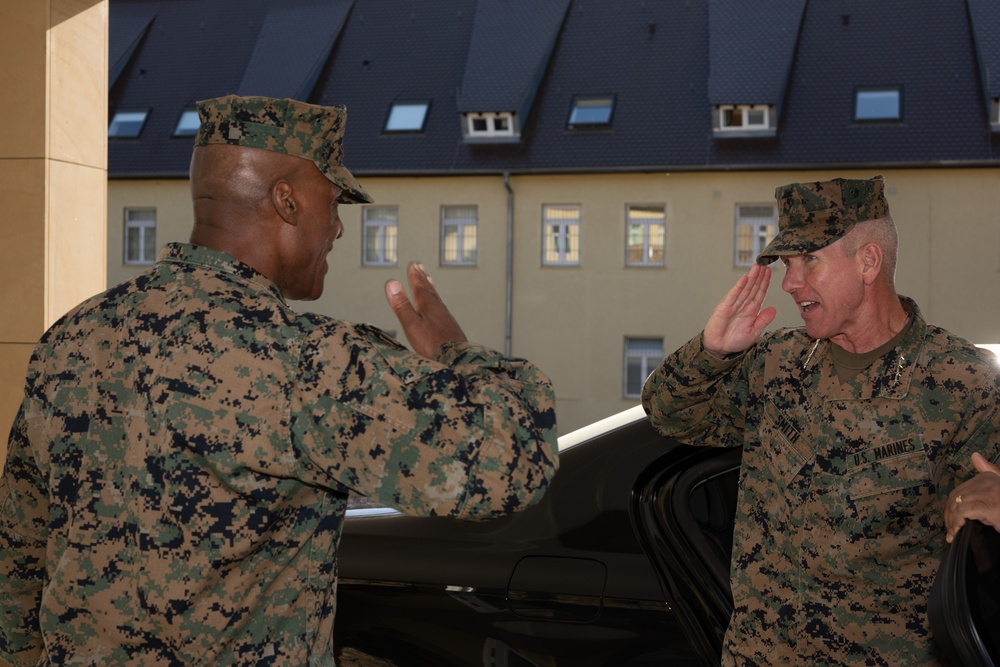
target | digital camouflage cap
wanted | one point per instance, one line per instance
(814, 215)
(287, 126)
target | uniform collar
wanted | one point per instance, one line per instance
(216, 260)
(887, 377)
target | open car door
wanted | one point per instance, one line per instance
(964, 607)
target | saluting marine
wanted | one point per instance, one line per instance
(854, 430)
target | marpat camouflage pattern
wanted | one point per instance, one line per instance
(839, 525)
(179, 469)
(308, 131)
(814, 215)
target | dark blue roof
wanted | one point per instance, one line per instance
(751, 49)
(985, 16)
(510, 47)
(283, 68)
(665, 63)
(126, 31)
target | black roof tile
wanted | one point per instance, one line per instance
(125, 33)
(512, 41)
(653, 56)
(985, 18)
(751, 49)
(281, 68)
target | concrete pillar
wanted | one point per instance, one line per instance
(53, 173)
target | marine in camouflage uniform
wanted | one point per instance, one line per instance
(179, 469)
(846, 466)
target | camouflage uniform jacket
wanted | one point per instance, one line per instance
(839, 525)
(178, 472)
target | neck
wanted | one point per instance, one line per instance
(885, 319)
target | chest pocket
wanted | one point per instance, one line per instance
(894, 503)
(784, 445)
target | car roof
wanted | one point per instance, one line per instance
(611, 423)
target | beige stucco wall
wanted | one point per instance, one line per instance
(573, 321)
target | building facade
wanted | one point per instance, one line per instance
(584, 180)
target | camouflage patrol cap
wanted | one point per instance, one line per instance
(814, 215)
(287, 126)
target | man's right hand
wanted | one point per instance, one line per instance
(738, 319)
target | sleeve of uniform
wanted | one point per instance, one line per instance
(977, 429)
(696, 397)
(23, 528)
(471, 434)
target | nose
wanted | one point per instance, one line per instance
(792, 279)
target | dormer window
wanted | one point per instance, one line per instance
(407, 117)
(489, 126)
(874, 104)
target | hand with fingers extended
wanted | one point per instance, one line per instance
(738, 319)
(426, 321)
(977, 498)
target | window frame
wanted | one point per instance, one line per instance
(745, 111)
(462, 224)
(409, 128)
(646, 224)
(565, 254)
(491, 118)
(863, 90)
(758, 243)
(648, 362)
(119, 122)
(591, 101)
(385, 244)
(144, 256)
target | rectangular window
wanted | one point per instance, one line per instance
(591, 113)
(642, 356)
(127, 124)
(756, 225)
(877, 104)
(995, 112)
(407, 117)
(561, 235)
(646, 230)
(140, 235)
(459, 227)
(380, 235)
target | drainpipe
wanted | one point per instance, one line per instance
(510, 264)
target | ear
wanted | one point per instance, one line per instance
(871, 262)
(284, 201)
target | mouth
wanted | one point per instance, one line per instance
(806, 307)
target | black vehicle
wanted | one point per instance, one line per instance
(624, 562)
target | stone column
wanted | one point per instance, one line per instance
(53, 173)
